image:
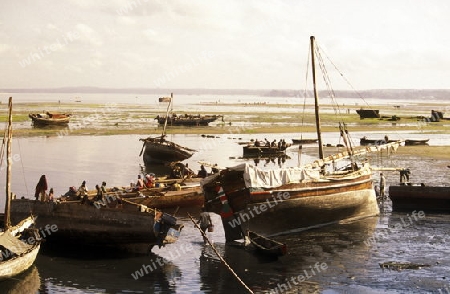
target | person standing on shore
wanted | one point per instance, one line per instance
(382, 185)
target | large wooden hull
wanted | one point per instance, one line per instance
(83, 224)
(156, 152)
(292, 207)
(406, 197)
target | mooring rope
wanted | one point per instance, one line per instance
(220, 257)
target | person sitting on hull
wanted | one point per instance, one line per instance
(82, 191)
(139, 184)
(215, 169)
(202, 173)
(150, 180)
(72, 193)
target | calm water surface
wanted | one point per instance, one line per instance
(349, 259)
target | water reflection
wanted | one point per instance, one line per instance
(269, 161)
(88, 272)
(314, 258)
(27, 282)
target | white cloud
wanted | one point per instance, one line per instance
(89, 34)
(256, 43)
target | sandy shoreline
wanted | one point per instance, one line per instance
(266, 118)
(101, 119)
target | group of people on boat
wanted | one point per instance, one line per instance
(281, 144)
(182, 171)
(72, 194)
(147, 182)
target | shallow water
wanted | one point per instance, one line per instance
(335, 259)
(351, 252)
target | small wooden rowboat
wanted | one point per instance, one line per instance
(304, 141)
(43, 119)
(267, 246)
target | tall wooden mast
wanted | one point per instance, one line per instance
(167, 116)
(316, 98)
(8, 170)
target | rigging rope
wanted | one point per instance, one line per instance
(23, 169)
(2, 151)
(305, 91)
(345, 79)
(343, 129)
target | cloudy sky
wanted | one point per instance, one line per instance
(222, 44)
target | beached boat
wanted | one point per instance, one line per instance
(266, 245)
(263, 151)
(117, 224)
(188, 119)
(411, 142)
(304, 141)
(420, 197)
(44, 119)
(18, 245)
(161, 151)
(186, 197)
(368, 113)
(285, 200)
(364, 141)
(164, 99)
(163, 198)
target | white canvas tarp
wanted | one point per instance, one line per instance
(259, 178)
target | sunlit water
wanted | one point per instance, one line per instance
(337, 259)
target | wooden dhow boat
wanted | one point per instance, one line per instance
(420, 197)
(161, 151)
(117, 224)
(368, 113)
(364, 141)
(44, 119)
(162, 198)
(188, 119)
(18, 244)
(285, 200)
